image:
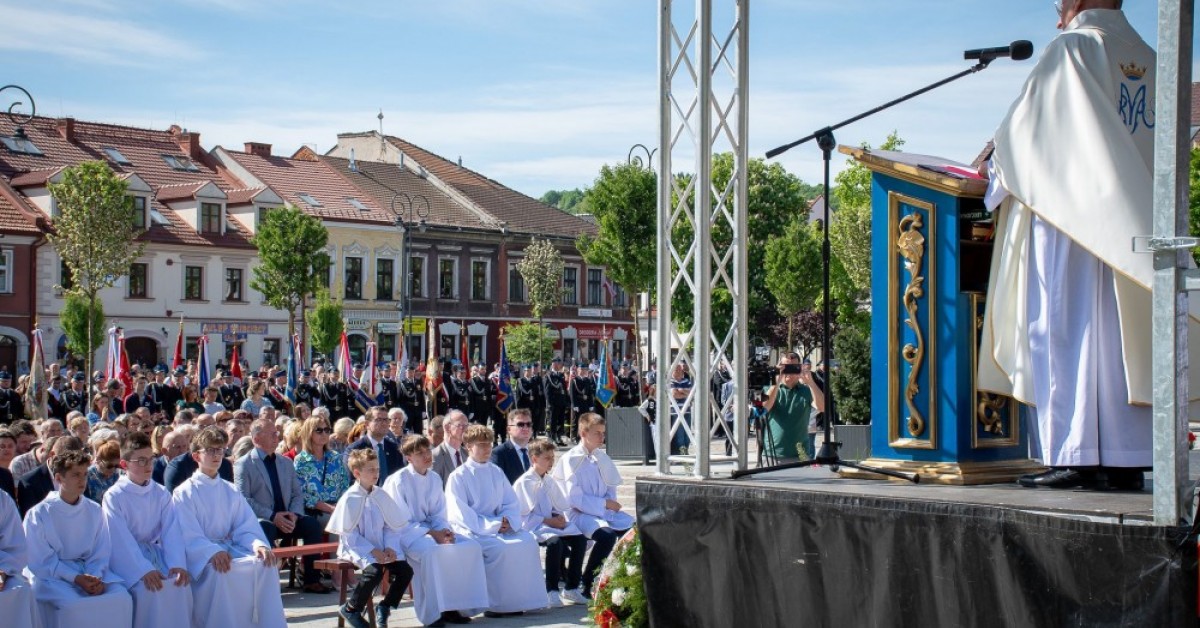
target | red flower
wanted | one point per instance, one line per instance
(1191, 437)
(607, 619)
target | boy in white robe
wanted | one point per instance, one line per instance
(69, 552)
(591, 480)
(449, 582)
(236, 576)
(16, 597)
(543, 504)
(368, 524)
(147, 547)
(482, 505)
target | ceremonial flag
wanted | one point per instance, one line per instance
(612, 289)
(368, 391)
(343, 363)
(463, 358)
(235, 369)
(35, 395)
(112, 363)
(606, 387)
(125, 373)
(203, 377)
(403, 355)
(293, 368)
(504, 394)
(433, 375)
(177, 359)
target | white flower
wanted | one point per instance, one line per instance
(631, 569)
(618, 596)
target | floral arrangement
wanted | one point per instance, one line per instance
(619, 600)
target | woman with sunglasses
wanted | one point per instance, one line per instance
(321, 470)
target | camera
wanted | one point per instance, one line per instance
(791, 369)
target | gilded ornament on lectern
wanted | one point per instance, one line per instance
(911, 245)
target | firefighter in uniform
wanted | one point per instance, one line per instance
(412, 400)
(558, 401)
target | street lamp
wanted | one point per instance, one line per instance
(20, 119)
(636, 160)
(412, 206)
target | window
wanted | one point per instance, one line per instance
(568, 348)
(179, 162)
(115, 155)
(270, 351)
(357, 204)
(191, 348)
(139, 273)
(233, 284)
(353, 278)
(20, 145)
(447, 278)
(416, 285)
(475, 350)
(137, 204)
(383, 279)
(387, 348)
(308, 198)
(65, 280)
(210, 218)
(570, 286)
(516, 285)
(358, 350)
(618, 299)
(479, 280)
(193, 283)
(618, 352)
(157, 218)
(6, 270)
(449, 346)
(262, 213)
(595, 294)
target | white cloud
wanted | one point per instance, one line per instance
(90, 39)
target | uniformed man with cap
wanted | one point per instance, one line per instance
(411, 400)
(459, 398)
(480, 396)
(306, 392)
(171, 393)
(76, 399)
(537, 382)
(387, 382)
(627, 388)
(11, 406)
(558, 400)
(335, 395)
(230, 393)
(524, 391)
(583, 395)
(278, 393)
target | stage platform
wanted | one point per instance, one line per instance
(807, 548)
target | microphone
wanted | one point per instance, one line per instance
(1019, 50)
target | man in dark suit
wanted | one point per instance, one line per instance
(411, 399)
(181, 467)
(35, 485)
(456, 390)
(12, 408)
(174, 445)
(512, 456)
(376, 438)
(7, 484)
(269, 483)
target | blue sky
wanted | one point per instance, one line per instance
(537, 94)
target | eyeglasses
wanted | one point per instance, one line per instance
(213, 451)
(141, 462)
(322, 430)
(524, 424)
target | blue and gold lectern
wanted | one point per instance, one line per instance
(931, 252)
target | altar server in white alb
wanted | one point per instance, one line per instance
(1067, 326)
(147, 548)
(16, 597)
(69, 552)
(449, 584)
(235, 573)
(482, 505)
(544, 505)
(591, 480)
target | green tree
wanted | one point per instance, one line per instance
(76, 316)
(1194, 199)
(292, 259)
(527, 342)
(852, 381)
(94, 234)
(790, 274)
(542, 270)
(850, 233)
(570, 201)
(624, 200)
(325, 324)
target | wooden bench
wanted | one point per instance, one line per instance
(292, 553)
(346, 569)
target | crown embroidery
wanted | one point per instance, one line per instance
(1132, 71)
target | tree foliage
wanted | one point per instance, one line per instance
(325, 324)
(292, 259)
(852, 380)
(570, 201)
(1194, 199)
(790, 274)
(75, 318)
(542, 270)
(528, 342)
(850, 233)
(624, 200)
(94, 234)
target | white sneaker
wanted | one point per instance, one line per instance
(554, 599)
(573, 596)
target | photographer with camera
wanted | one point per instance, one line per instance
(788, 405)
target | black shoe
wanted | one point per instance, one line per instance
(1122, 479)
(455, 617)
(495, 615)
(1059, 477)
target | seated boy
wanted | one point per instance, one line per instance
(236, 576)
(543, 503)
(69, 552)
(147, 550)
(368, 524)
(591, 480)
(482, 505)
(16, 598)
(449, 568)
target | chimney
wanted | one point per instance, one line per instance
(189, 143)
(66, 128)
(258, 149)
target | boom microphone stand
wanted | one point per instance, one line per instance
(828, 454)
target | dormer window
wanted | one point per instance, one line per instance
(357, 204)
(116, 156)
(138, 205)
(179, 162)
(308, 198)
(210, 218)
(19, 144)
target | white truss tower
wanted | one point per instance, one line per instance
(703, 75)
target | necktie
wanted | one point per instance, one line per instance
(382, 463)
(457, 459)
(276, 489)
(524, 458)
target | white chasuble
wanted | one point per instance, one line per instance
(145, 537)
(66, 540)
(446, 577)
(16, 600)
(214, 517)
(478, 497)
(540, 497)
(591, 479)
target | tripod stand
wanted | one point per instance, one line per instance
(828, 454)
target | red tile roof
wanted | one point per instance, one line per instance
(242, 196)
(36, 178)
(15, 216)
(178, 191)
(381, 180)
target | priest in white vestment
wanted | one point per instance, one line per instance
(147, 548)
(448, 582)
(69, 553)
(235, 573)
(16, 597)
(482, 505)
(1067, 326)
